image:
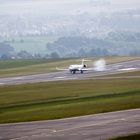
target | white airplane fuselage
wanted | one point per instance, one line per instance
(74, 68)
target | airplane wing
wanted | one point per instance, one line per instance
(93, 69)
(61, 69)
(87, 69)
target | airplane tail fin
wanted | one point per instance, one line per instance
(83, 60)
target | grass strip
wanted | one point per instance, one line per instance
(54, 100)
(72, 100)
(131, 137)
(69, 107)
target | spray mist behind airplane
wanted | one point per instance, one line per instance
(97, 66)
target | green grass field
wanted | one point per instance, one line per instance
(131, 137)
(54, 100)
(26, 67)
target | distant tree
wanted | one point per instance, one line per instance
(37, 56)
(54, 55)
(98, 52)
(24, 55)
(5, 56)
(22, 41)
(82, 53)
(116, 43)
(135, 53)
(5, 49)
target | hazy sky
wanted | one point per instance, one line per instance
(62, 6)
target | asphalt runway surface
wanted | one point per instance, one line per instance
(91, 127)
(66, 75)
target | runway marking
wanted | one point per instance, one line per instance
(106, 122)
(17, 78)
(67, 78)
(117, 77)
(72, 78)
(61, 77)
(24, 137)
(127, 69)
(34, 135)
(54, 131)
(1, 83)
(77, 127)
(117, 66)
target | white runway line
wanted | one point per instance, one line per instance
(89, 125)
(1, 83)
(60, 77)
(127, 69)
(17, 78)
(116, 66)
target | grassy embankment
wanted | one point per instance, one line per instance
(54, 100)
(131, 137)
(26, 67)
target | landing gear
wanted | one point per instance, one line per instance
(73, 71)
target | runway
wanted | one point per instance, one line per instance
(65, 75)
(98, 127)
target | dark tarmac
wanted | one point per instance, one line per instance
(92, 127)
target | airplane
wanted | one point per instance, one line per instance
(74, 68)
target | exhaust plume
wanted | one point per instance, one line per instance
(99, 65)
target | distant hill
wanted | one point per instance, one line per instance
(115, 43)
